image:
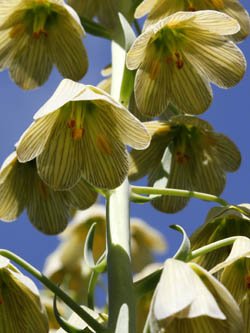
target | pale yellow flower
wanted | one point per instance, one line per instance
(159, 9)
(177, 57)
(82, 131)
(189, 299)
(34, 35)
(49, 211)
(20, 306)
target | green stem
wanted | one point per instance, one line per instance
(59, 292)
(178, 193)
(120, 282)
(212, 247)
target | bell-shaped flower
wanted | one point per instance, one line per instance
(34, 35)
(81, 131)
(235, 275)
(48, 210)
(221, 222)
(159, 9)
(185, 153)
(20, 306)
(105, 11)
(189, 299)
(177, 57)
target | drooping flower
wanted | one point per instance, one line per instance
(34, 35)
(81, 131)
(105, 11)
(189, 299)
(159, 9)
(177, 57)
(221, 222)
(185, 153)
(235, 275)
(20, 306)
(49, 211)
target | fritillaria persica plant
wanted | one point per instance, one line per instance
(75, 151)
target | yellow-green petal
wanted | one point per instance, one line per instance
(82, 196)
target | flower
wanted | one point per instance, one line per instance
(235, 276)
(20, 306)
(189, 299)
(178, 57)
(221, 222)
(81, 131)
(34, 35)
(185, 153)
(105, 11)
(48, 210)
(160, 9)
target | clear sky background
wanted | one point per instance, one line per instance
(229, 114)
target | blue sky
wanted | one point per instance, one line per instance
(229, 114)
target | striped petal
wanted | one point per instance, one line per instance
(234, 9)
(13, 197)
(170, 174)
(59, 165)
(66, 50)
(33, 140)
(224, 64)
(229, 154)
(144, 7)
(82, 196)
(47, 209)
(153, 87)
(31, 67)
(190, 91)
(105, 162)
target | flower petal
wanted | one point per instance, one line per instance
(223, 64)
(59, 164)
(190, 91)
(82, 196)
(67, 51)
(31, 66)
(33, 140)
(105, 157)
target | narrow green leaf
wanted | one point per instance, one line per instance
(101, 264)
(183, 252)
(95, 29)
(64, 324)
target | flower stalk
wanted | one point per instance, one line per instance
(178, 193)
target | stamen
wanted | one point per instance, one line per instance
(39, 25)
(103, 144)
(181, 158)
(168, 60)
(1, 301)
(179, 63)
(77, 133)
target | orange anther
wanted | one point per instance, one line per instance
(72, 123)
(77, 133)
(247, 279)
(168, 60)
(179, 63)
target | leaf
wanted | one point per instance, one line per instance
(184, 250)
(101, 264)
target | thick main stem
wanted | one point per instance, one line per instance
(120, 282)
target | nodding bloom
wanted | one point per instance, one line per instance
(221, 222)
(235, 276)
(49, 211)
(34, 35)
(159, 9)
(20, 305)
(185, 153)
(177, 57)
(189, 299)
(82, 131)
